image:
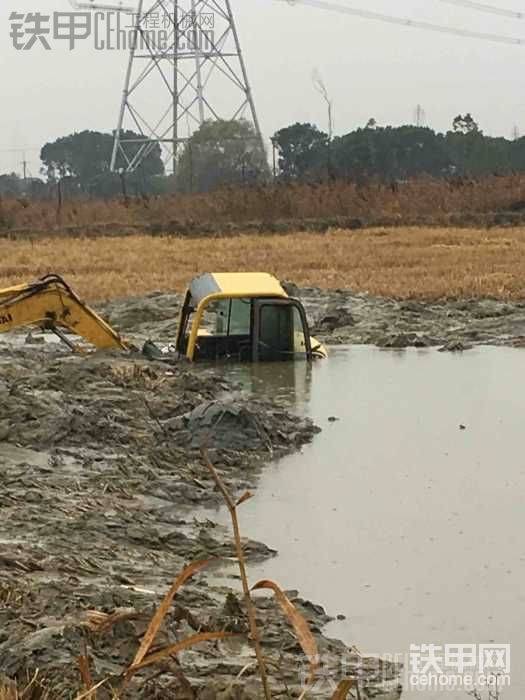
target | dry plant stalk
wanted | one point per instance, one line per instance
(88, 694)
(301, 628)
(162, 611)
(142, 658)
(85, 673)
(9, 689)
(342, 690)
(254, 631)
(180, 646)
(100, 622)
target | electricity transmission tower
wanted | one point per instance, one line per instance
(419, 116)
(185, 66)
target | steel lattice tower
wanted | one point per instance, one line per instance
(198, 70)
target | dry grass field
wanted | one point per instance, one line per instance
(421, 201)
(407, 263)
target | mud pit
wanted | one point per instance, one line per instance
(340, 317)
(343, 318)
(101, 473)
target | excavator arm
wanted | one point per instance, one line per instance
(51, 304)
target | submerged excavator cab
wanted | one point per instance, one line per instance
(244, 317)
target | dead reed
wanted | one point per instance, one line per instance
(427, 197)
(145, 658)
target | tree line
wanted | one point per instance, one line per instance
(228, 153)
(395, 153)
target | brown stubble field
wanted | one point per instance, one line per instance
(405, 263)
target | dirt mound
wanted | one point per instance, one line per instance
(155, 312)
(234, 424)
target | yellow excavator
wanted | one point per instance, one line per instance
(51, 304)
(245, 317)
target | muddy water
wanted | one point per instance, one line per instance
(396, 517)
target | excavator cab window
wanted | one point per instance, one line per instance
(280, 331)
(246, 330)
(233, 317)
(226, 331)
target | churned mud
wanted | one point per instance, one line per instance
(344, 318)
(102, 481)
(341, 317)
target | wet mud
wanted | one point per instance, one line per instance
(102, 481)
(343, 318)
(102, 486)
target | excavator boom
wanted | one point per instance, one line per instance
(51, 304)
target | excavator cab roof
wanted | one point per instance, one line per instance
(235, 284)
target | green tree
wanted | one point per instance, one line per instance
(84, 158)
(11, 185)
(390, 153)
(303, 152)
(221, 153)
(465, 124)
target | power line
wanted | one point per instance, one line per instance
(19, 150)
(491, 9)
(407, 22)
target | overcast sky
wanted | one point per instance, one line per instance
(370, 70)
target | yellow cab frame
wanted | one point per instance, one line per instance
(255, 320)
